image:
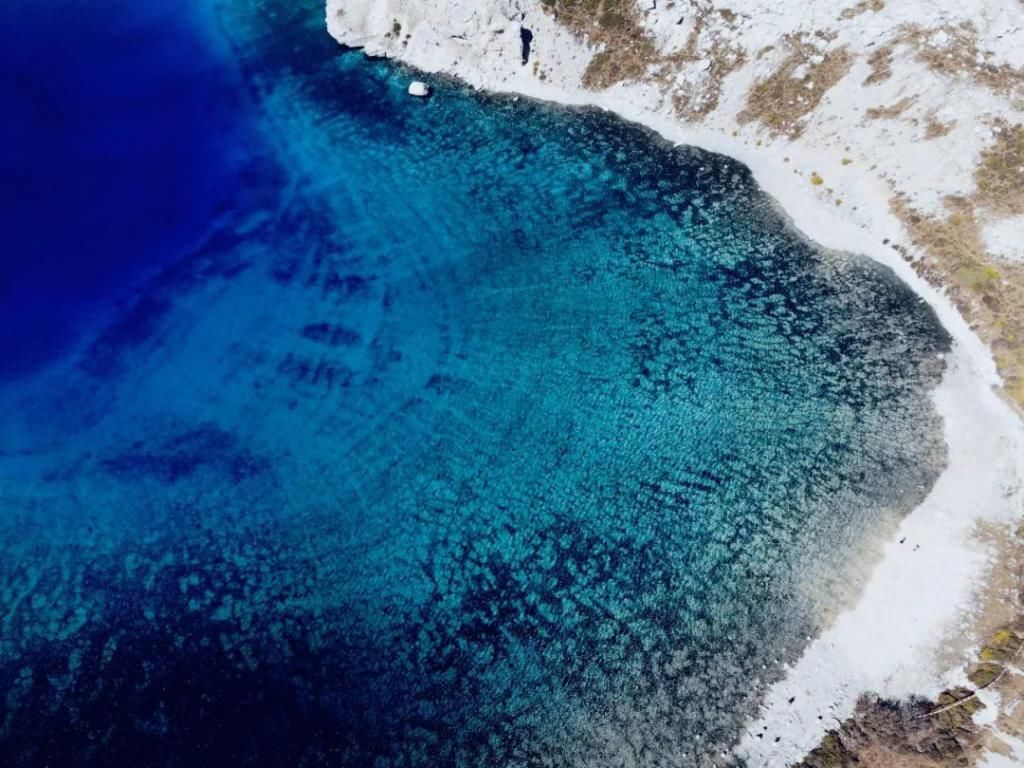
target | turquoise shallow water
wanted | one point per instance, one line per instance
(475, 432)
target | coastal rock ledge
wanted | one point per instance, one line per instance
(902, 119)
(891, 128)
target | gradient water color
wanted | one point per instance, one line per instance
(346, 429)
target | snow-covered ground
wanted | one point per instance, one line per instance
(912, 120)
(1004, 238)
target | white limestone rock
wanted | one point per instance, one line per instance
(419, 89)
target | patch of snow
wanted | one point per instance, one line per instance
(1013, 757)
(995, 760)
(1005, 238)
(992, 701)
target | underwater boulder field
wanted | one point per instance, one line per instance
(346, 428)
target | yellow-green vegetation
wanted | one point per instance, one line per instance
(989, 654)
(816, 180)
(954, 708)
(780, 100)
(1002, 646)
(985, 674)
(978, 277)
(846, 161)
(828, 754)
(999, 176)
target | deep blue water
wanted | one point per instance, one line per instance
(341, 428)
(120, 143)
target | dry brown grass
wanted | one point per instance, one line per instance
(934, 128)
(999, 177)
(1004, 627)
(962, 56)
(862, 7)
(782, 99)
(880, 62)
(989, 295)
(628, 53)
(626, 48)
(880, 756)
(886, 734)
(617, 64)
(937, 734)
(695, 101)
(892, 111)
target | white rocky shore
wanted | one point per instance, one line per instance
(839, 108)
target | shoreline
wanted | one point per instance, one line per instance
(920, 591)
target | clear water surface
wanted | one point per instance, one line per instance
(346, 429)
